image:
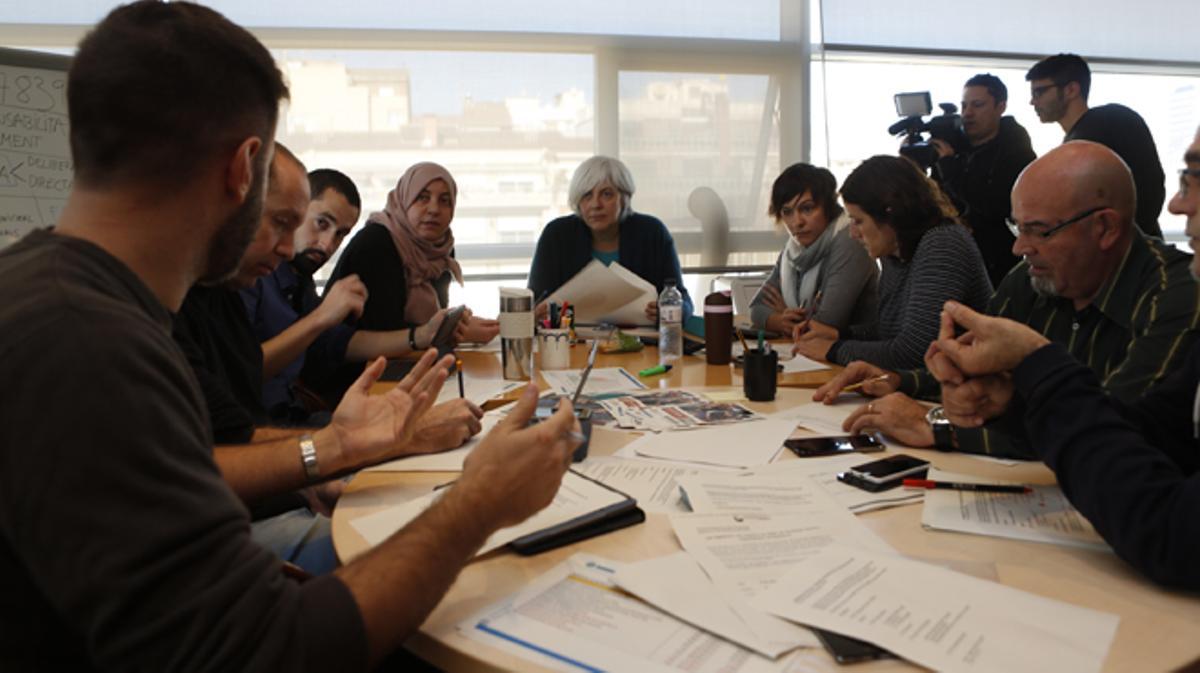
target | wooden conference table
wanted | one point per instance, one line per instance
(1159, 630)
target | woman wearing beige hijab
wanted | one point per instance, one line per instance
(404, 257)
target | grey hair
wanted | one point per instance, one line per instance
(600, 169)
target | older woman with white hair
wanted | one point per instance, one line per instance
(604, 227)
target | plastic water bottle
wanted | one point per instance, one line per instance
(670, 324)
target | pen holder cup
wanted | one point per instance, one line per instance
(554, 348)
(759, 375)
(545, 409)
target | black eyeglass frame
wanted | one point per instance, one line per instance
(1018, 229)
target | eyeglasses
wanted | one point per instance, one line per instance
(1184, 173)
(1044, 231)
(1037, 91)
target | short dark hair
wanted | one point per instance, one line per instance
(323, 179)
(1063, 69)
(799, 178)
(994, 86)
(156, 90)
(895, 192)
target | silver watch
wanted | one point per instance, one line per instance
(308, 456)
(944, 437)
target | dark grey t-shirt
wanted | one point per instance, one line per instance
(121, 547)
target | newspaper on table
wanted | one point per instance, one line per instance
(661, 410)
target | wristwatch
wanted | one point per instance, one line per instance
(308, 456)
(944, 438)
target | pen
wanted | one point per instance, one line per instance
(461, 391)
(591, 361)
(652, 371)
(742, 338)
(816, 305)
(860, 384)
(962, 486)
(761, 340)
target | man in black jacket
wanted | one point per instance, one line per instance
(1133, 469)
(979, 179)
(1058, 88)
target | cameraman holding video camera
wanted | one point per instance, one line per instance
(979, 177)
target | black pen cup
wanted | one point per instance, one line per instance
(759, 372)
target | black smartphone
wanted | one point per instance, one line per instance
(883, 474)
(847, 650)
(809, 447)
(443, 340)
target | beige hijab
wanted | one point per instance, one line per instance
(424, 262)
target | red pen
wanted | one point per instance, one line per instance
(963, 486)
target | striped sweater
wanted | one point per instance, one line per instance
(946, 266)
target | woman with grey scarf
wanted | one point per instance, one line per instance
(821, 273)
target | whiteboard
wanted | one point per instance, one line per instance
(35, 154)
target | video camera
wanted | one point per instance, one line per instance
(947, 127)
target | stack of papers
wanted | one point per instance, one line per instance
(576, 500)
(602, 381)
(577, 617)
(766, 482)
(1044, 515)
(939, 618)
(611, 294)
(724, 445)
(653, 484)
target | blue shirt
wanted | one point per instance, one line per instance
(271, 305)
(606, 258)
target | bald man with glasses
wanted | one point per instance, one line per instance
(1120, 302)
(1131, 468)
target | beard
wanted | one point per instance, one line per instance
(234, 236)
(307, 261)
(1043, 286)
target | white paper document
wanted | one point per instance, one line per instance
(446, 461)
(653, 484)
(748, 553)
(824, 470)
(476, 390)
(576, 497)
(602, 381)
(676, 584)
(611, 294)
(1045, 515)
(574, 619)
(792, 364)
(826, 419)
(939, 618)
(737, 445)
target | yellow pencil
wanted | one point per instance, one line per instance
(860, 384)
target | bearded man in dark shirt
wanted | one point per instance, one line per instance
(122, 547)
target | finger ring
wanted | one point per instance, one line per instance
(870, 408)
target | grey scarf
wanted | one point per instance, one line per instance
(801, 265)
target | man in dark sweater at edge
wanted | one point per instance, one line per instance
(1058, 91)
(121, 545)
(1122, 303)
(979, 179)
(1131, 468)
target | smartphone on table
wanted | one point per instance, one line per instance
(885, 473)
(809, 447)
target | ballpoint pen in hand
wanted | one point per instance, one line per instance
(591, 361)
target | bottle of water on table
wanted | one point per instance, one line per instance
(670, 324)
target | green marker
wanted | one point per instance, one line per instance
(654, 371)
